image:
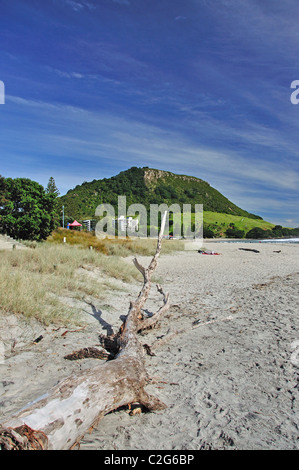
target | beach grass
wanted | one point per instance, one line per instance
(114, 247)
(34, 282)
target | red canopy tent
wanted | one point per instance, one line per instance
(75, 224)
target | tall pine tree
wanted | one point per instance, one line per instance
(51, 187)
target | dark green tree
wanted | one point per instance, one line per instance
(51, 187)
(233, 232)
(208, 233)
(258, 232)
(27, 212)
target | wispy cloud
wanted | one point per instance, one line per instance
(63, 73)
(95, 136)
(109, 56)
(74, 5)
(78, 6)
(122, 2)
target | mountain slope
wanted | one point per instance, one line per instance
(146, 186)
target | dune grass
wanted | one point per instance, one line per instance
(114, 247)
(34, 281)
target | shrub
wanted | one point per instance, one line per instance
(234, 233)
(208, 233)
(258, 232)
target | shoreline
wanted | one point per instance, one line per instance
(294, 240)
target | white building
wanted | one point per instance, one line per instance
(122, 223)
(87, 224)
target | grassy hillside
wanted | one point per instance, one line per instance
(219, 223)
(146, 186)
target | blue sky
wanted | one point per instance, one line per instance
(199, 87)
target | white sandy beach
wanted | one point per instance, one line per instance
(229, 380)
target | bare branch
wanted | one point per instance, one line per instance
(140, 268)
(151, 321)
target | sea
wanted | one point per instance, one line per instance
(272, 240)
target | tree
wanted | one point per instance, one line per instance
(2, 192)
(258, 232)
(208, 233)
(51, 187)
(53, 190)
(26, 211)
(233, 232)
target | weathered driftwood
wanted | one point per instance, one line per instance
(85, 353)
(61, 417)
(249, 249)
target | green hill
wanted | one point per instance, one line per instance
(146, 186)
(220, 223)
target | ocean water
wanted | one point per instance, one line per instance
(274, 240)
(280, 240)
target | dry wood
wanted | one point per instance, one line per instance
(87, 353)
(60, 418)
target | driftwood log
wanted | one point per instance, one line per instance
(59, 419)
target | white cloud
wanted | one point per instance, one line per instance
(78, 6)
(87, 141)
(127, 138)
(63, 73)
(74, 5)
(122, 2)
